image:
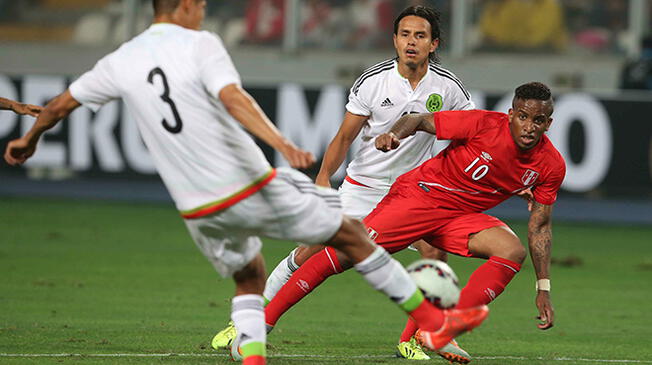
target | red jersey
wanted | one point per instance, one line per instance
(483, 166)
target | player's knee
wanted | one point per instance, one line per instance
(517, 252)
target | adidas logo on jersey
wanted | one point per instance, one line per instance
(386, 103)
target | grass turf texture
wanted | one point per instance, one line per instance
(83, 277)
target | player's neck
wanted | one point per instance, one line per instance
(169, 19)
(413, 74)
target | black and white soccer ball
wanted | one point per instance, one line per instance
(437, 282)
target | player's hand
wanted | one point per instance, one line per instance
(298, 158)
(546, 315)
(387, 142)
(323, 180)
(27, 109)
(528, 197)
(18, 151)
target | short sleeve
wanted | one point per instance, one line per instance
(358, 103)
(96, 87)
(215, 65)
(546, 193)
(461, 124)
(460, 98)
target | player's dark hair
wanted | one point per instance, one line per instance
(533, 91)
(427, 13)
(164, 6)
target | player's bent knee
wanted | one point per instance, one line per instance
(516, 253)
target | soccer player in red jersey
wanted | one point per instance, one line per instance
(492, 156)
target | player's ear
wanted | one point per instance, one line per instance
(434, 45)
(548, 124)
(510, 112)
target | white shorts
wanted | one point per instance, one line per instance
(290, 207)
(358, 201)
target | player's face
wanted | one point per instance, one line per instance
(528, 121)
(196, 13)
(413, 41)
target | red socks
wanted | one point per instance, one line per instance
(307, 277)
(410, 329)
(487, 282)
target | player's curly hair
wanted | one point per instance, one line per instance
(533, 90)
(431, 15)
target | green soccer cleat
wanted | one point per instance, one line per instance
(454, 353)
(224, 338)
(411, 350)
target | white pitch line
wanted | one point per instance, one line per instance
(312, 356)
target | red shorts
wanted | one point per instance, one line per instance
(402, 219)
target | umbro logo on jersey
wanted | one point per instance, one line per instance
(486, 156)
(386, 103)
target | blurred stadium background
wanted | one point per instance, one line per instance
(299, 57)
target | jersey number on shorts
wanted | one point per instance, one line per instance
(176, 128)
(479, 171)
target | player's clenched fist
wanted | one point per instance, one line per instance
(18, 151)
(387, 142)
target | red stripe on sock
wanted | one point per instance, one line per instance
(254, 360)
(487, 282)
(304, 280)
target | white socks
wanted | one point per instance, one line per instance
(279, 276)
(248, 317)
(387, 275)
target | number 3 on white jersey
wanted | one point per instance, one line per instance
(479, 172)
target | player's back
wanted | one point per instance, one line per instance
(169, 77)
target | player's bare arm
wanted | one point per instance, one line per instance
(247, 111)
(540, 244)
(19, 150)
(339, 146)
(20, 108)
(406, 125)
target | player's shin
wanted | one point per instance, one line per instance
(487, 282)
(279, 276)
(306, 278)
(387, 275)
(249, 320)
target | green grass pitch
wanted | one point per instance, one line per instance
(106, 278)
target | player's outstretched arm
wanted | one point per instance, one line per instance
(21, 149)
(339, 146)
(406, 125)
(540, 244)
(20, 108)
(247, 111)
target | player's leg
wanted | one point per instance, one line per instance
(235, 253)
(505, 254)
(282, 272)
(407, 347)
(247, 313)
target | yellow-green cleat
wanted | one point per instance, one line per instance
(411, 350)
(224, 338)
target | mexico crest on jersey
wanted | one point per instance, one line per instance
(529, 177)
(434, 103)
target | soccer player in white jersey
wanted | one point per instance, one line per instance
(20, 108)
(186, 97)
(413, 82)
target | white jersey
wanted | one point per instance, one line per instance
(169, 77)
(384, 95)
